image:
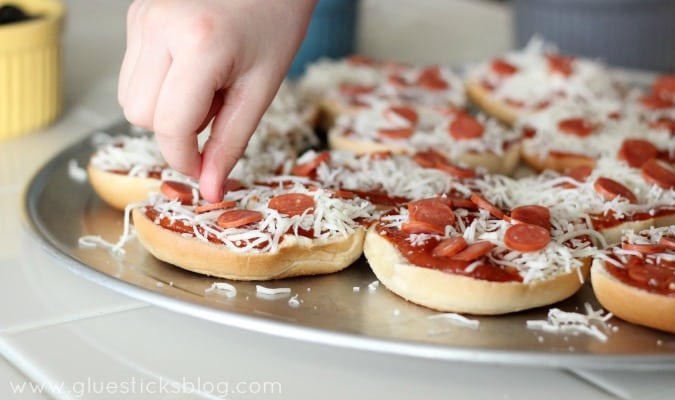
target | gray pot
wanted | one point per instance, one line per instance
(628, 33)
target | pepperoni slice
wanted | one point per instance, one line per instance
(643, 248)
(561, 65)
(636, 152)
(664, 123)
(580, 173)
(232, 185)
(449, 247)
(576, 126)
(396, 133)
(650, 275)
(474, 251)
(355, 90)
(609, 189)
(215, 206)
(237, 218)
(407, 113)
(175, 190)
(486, 205)
(291, 204)
(664, 86)
(465, 126)
(502, 67)
(668, 242)
(309, 168)
(533, 215)
(458, 202)
(526, 237)
(432, 211)
(432, 79)
(380, 155)
(457, 171)
(514, 103)
(655, 102)
(397, 80)
(658, 173)
(417, 227)
(433, 159)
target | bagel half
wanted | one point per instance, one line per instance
(119, 190)
(631, 303)
(482, 98)
(449, 292)
(296, 256)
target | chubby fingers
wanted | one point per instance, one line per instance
(244, 104)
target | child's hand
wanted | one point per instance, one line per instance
(190, 61)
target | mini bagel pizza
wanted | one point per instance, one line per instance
(612, 197)
(657, 106)
(577, 133)
(384, 178)
(534, 78)
(635, 279)
(478, 260)
(256, 233)
(464, 139)
(124, 169)
(343, 87)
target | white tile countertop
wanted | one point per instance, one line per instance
(66, 337)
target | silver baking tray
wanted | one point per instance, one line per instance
(343, 309)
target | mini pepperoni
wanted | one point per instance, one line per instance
(309, 168)
(576, 126)
(355, 90)
(514, 103)
(380, 155)
(397, 80)
(175, 190)
(636, 152)
(528, 133)
(465, 126)
(655, 102)
(429, 158)
(533, 215)
(580, 173)
(667, 242)
(526, 237)
(237, 218)
(432, 211)
(396, 133)
(643, 248)
(562, 65)
(664, 86)
(474, 251)
(449, 247)
(344, 194)
(432, 79)
(215, 206)
(486, 205)
(664, 123)
(232, 185)
(458, 202)
(609, 189)
(456, 171)
(417, 227)
(658, 173)
(291, 204)
(614, 115)
(502, 67)
(407, 113)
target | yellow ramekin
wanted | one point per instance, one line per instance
(30, 68)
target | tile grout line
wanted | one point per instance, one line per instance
(43, 323)
(597, 385)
